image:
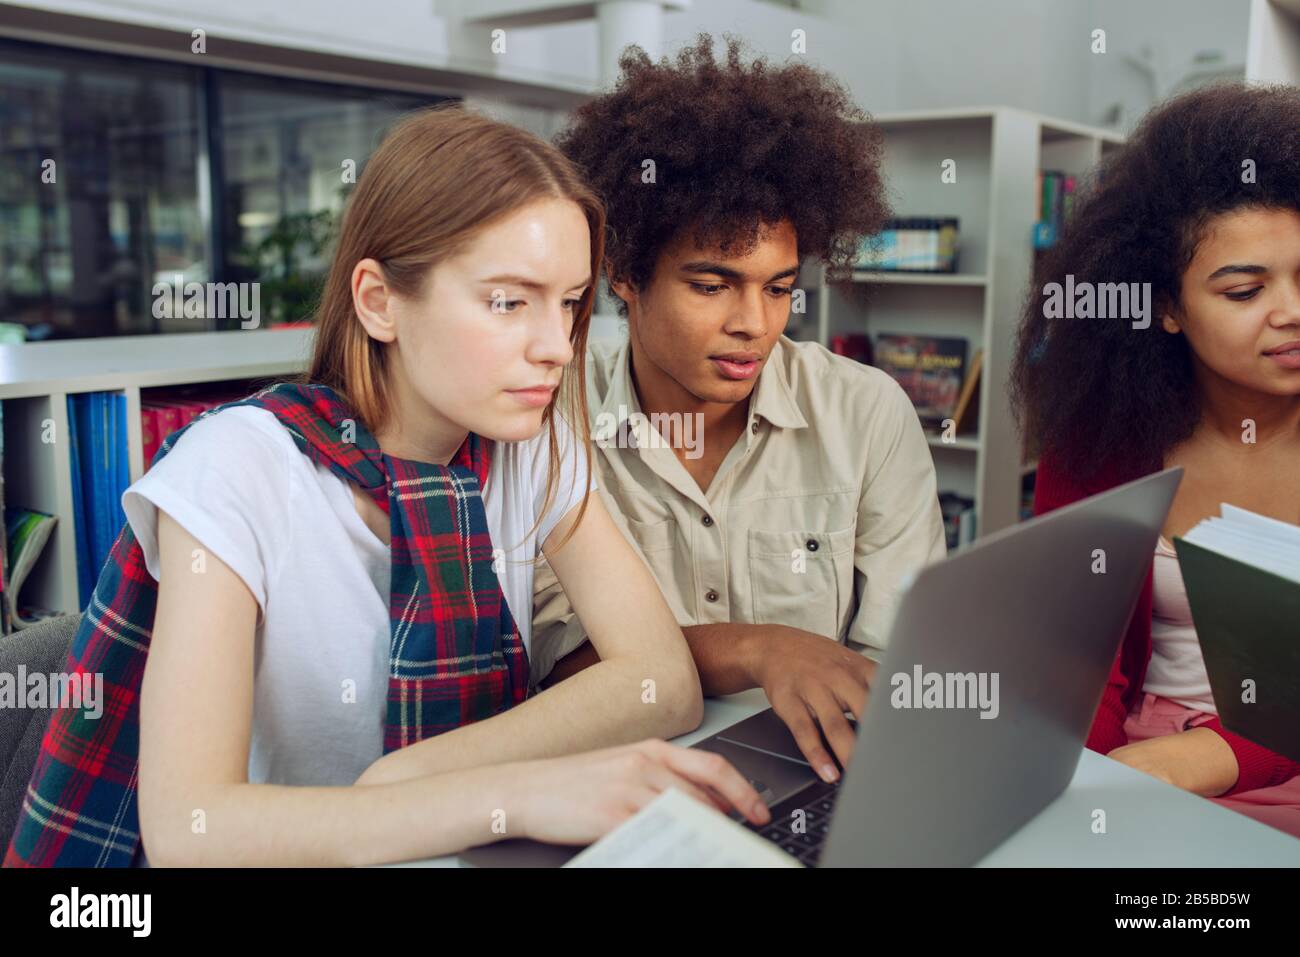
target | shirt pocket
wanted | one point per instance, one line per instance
(803, 579)
(653, 536)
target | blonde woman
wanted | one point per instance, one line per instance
(316, 590)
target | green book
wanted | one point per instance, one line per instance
(1242, 574)
(27, 532)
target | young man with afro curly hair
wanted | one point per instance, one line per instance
(781, 540)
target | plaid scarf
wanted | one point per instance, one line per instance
(455, 654)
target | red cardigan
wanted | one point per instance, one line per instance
(1257, 766)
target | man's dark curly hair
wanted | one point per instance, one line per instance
(1098, 393)
(736, 145)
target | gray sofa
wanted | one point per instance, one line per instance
(41, 648)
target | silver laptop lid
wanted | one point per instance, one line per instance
(996, 663)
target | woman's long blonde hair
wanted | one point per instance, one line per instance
(441, 175)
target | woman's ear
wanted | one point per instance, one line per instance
(373, 301)
(1169, 318)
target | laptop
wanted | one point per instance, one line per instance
(996, 662)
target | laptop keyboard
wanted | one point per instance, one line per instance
(802, 837)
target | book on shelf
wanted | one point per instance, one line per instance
(78, 436)
(855, 345)
(958, 513)
(100, 460)
(1056, 194)
(26, 532)
(930, 370)
(966, 413)
(1027, 497)
(912, 244)
(162, 413)
(100, 474)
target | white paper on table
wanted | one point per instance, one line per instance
(675, 830)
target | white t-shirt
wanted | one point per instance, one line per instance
(1177, 669)
(290, 529)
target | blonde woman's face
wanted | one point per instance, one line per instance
(485, 346)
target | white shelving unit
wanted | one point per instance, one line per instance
(998, 152)
(1273, 42)
(36, 379)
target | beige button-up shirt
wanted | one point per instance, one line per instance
(819, 512)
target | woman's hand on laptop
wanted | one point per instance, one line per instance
(579, 798)
(811, 681)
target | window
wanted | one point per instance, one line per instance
(119, 173)
(289, 153)
(97, 187)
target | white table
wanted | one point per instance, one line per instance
(1148, 823)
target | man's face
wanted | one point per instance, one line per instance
(708, 321)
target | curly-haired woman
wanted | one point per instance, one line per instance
(1203, 203)
(787, 491)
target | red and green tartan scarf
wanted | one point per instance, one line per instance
(455, 655)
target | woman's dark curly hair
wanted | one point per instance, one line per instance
(735, 145)
(1098, 393)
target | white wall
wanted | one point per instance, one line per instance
(1034, 54)
(1273, 47)
(399, 31)
(930, 54)
(1165, 35)
(891, 54)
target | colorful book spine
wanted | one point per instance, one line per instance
(149, 429)
(122, 473)
(169, 418)
(78, 439)
(98, 469)
(1056, 195)
(101, 471)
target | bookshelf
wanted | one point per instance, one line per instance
(998, 152)
(36, 379)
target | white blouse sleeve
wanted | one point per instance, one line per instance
(227, 483)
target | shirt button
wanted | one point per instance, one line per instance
(708, 521)
(710, 595)
(811, 544)
(753, 426)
